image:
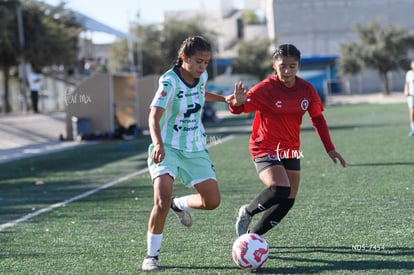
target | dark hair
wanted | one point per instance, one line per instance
(287, 50)
(190, 45)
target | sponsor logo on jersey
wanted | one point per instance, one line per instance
(184, 128)
(193, 108)
(182, 94)
(278, 104)
(161, 93)
(162, 90)
(177, 128)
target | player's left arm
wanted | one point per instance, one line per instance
(321, 127)
(211, 97)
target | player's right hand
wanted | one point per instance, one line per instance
(239, 94)
(158, 153)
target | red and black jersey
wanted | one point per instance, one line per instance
(279, 112)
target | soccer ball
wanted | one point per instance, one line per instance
(250, 251)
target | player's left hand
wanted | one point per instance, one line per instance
(229, 98)
(334, 155)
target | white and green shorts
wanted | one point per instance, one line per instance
(190, 167)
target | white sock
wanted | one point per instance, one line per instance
(153, 244)
(182, 203)
(412, 126)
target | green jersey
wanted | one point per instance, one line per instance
(181, 126)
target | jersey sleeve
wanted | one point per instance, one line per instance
(164, 93)
(321, 127)
(236, 109)
(318, 120)
(316, 106)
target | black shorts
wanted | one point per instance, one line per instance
(266, 161)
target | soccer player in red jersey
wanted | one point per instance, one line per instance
(280, 101)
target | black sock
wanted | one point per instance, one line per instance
(273, 216)
(267, 198)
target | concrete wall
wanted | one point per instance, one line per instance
(147, 86)
(91, 100)
(107, 101)
(319, 26)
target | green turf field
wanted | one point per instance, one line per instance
(357, 220)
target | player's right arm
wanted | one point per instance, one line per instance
(155, 115)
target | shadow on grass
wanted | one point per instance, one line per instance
(361, 259)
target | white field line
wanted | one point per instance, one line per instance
(66, 202)
(86, 194)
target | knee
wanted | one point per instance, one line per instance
(212, 203)
(281, 192)
(162, 204)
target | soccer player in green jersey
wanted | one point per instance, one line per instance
(178, 148)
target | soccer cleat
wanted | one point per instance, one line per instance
(243, 221)
(182, 215)
(150, 264)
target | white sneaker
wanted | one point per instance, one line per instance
(243, 221)
(150, 264)
(184, 217)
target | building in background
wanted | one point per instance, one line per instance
(316, 27)
(319, 27)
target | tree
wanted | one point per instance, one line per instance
(383, 49)
(51, 34)
(253, 58)
(175, 31)
(160, 44)
(8, 44)
(151, 51)
(250, 18)
(50, 37)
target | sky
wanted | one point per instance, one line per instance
(119, 13)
